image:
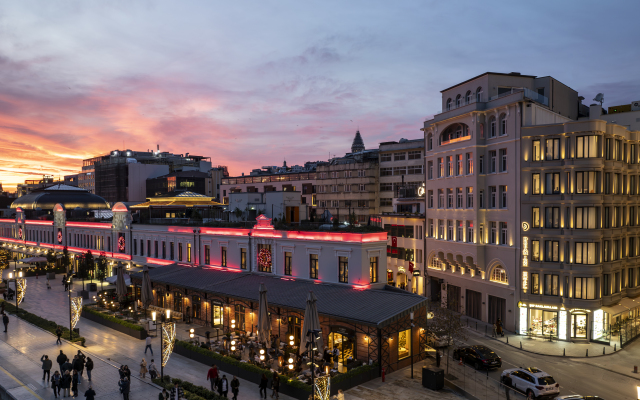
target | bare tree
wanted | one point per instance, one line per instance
(447, 324)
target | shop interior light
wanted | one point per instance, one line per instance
(168, 314)
(153, 316)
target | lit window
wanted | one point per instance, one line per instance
(499, 275)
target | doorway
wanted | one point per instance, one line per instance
(345, 344)
(473, 307)
(217, 315)
(579, 326)
(497, 308)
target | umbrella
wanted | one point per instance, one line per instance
(264, 324)
(311, 320)
(121, 287)
(146, 290)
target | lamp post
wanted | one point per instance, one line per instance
(411, 342)
(312, 336)
(13, 276)
(70, 318)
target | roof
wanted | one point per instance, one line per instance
(377, 307)
(488, 73)
(179, 198)
(69, 196)
(61, 186)
(184, 174)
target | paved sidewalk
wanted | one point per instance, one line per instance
(539, 345)
(114, 347)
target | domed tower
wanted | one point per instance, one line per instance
(357, 145)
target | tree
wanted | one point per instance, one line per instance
(238, 213)
(447, 324)
(195, 215)
(352, 218)
(51, 258)
(85, 265)
(101, 264)
(65, 261)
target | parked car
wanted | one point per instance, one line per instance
(578, 397)
(532, 381)
(436, 341)
(479, 356)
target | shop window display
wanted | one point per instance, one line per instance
(543, 322)
(404, 344)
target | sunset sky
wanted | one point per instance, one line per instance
(252, 83)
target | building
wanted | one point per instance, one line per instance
(30, 185)
(473, 159)
(401, 166)
(178, 207)
(348, 185)
(71, 180)
(43, 201)
(216, 175)
(192, 181)
(285, 206)
(121, 175)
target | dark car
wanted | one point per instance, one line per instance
(479, 356)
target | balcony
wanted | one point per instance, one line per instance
(528, 93)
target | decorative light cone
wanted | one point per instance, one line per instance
(76, 310)
(322, 387)
(168, 340)
(21, 288)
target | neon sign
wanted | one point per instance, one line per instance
(525, 251)
(525, 281)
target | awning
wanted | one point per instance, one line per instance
(33, 259)
(623, 305)
(112, 279)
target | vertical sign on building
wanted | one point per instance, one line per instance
(525, 263)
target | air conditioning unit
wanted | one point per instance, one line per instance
(635, 106)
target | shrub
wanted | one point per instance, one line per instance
(191, 391)
(356, 371)
(113, 319)
(38, 321)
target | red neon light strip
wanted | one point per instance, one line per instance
(33, 222)
(267, 234)
(98, 225)
(158, 261)
(7, 220)
(338, 236)
(12, 240)
(47, 245)
(223, 268)
(31, 243)
(225, 231)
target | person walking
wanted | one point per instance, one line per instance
(176, 392)
(143, 368)
(90, 394)
(80, 365)
(124, 387)
(59, 334)
(48, 285)
(62, 358)
(212, 376)
(235, 385)
(275, 385)
(89, 367)
(223, 386)
(164, 395)
(148, 345)
(75, 379)
(500, 328)
(153, 371)
(66, 383)
(336, 357)
(55, 383)
(263, 385)
(46, 367)
(5, 321)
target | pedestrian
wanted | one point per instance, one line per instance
(62, 358)
(66, 383)
(438, 357)
(235, 385)
(121, 371)
(336, 356)
(143, 368)
(80, 365)
(263, 385)
(59, 334)
(275, 385)
(5, 321)
(153, 372)
(2, 305)
(495, 330)
(127, 373)
(48, 285)
(500, 330)
(176, 392)
(212, 376)
(90, 394)
(223, 386)
(148, 346)
(164, 395)
(89, 367)
(75, 379)
(67, 366)
(124, 387)
(55, 383)
(46, 367)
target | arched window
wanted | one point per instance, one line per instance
(430, 142)
(448, 104)
(492, 127)
(503, 125)
(458, 101)
(467, 97)
(454, 131)
(479, 94)
(499, 275)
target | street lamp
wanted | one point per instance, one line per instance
(291, 340)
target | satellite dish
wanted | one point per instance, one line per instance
(599, 98)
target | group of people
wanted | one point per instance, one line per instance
(221, 384)
(69, 376)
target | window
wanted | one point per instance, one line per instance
(503, 125)
(467, 97)
(481, 238)
(179, 251)
(584, 288)
(239, 315)
(492, 162)
(440, 198)
(430, 199)
(552, 184)
(503, 160)
(458, 101)
(586, 182)
(135, 247)
(414, 169)
(630, 281)
(385, 202)
(361, 173)
(448, 104)
(415, 154)
(404, 344)
(470, 231)
(535, 283)
(552, 217)
(450, 166)
(481, 199)
(535, 217)
(440, 167)
(469, 163)
(587, 146)
(386, 187)
(287, 263)
(469, 197)
(535, 250)
(430, 169)
(313, 266)
(243, 258)
(430, 142)
(363, 187)
(373, 269)
(492, 197)
(551, 285)
(177, 302)
(343, 266)
(503, 233)
(632, 154)
(585, 218)
(449, 198)
(459, 231)
(223, 256)
(207, 255)
(479, 94)
(386, 171)
(155, 248)
(399, 156)
(171, 252)
(384, 157)
(535, 150)
(499, 275)
(492, 127)
(481, 164)
(503, 196)
(552, 251)
(188, 252)
(449, 230)
(606, 284)
(493, 234)
(459, 198)
(585, 253)
(347, 188)
(196, 307)
(164, 250)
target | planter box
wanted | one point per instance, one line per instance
(114, 325)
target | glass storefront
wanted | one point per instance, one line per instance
(542, 322)
(345, 344)
(579, 326)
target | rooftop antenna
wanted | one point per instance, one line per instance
(600, 98)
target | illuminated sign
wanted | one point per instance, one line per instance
(562, 331)
(525, 226)
(525, 251)
(525, 281)
(523, 321)
(543, 306)
(598, 324)
(579, 310)
(421, 190)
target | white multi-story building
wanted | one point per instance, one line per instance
(473, 186)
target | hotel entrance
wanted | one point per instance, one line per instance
(343, 339)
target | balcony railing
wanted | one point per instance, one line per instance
(528, 93)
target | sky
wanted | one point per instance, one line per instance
(254, 83)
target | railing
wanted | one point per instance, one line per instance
(463, 103)
(528, 93)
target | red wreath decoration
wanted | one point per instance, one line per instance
(59, 236)
(264, 259)
(19, 233)
(121, 243)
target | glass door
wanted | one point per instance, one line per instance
(217, 316)
(344, 344)
(579, 326)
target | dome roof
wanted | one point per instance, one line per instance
(358, 144)
(69, 196)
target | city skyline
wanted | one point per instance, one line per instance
(80, 80)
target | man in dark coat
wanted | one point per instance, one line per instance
(62, 358)
(90, 394)
(124, 387)
(5, 321)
